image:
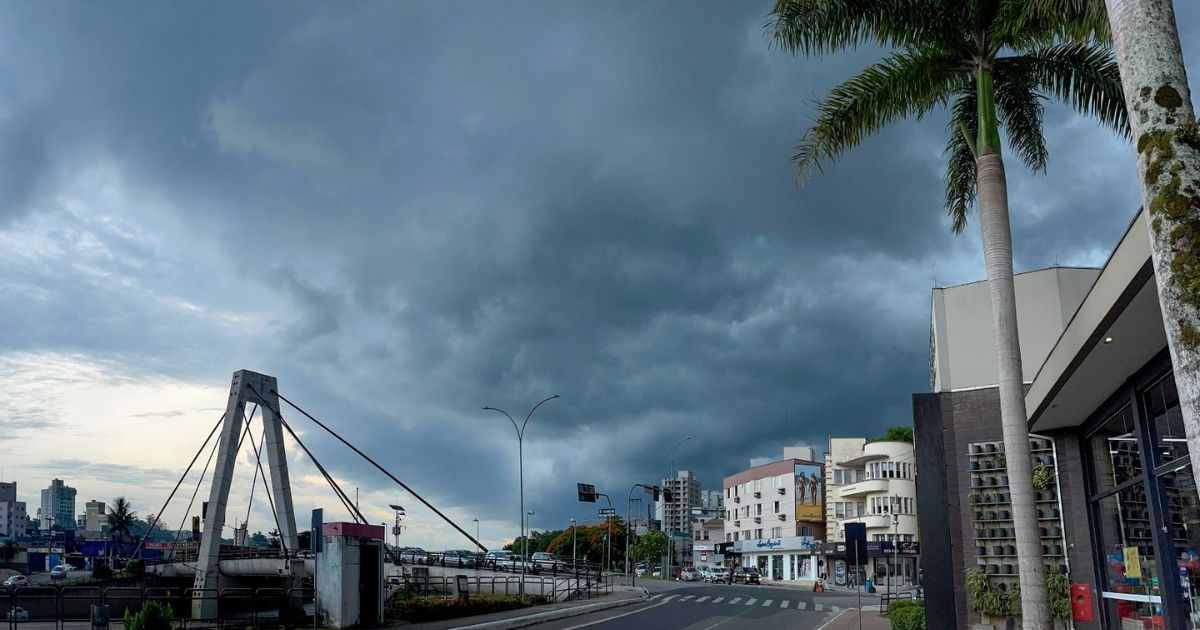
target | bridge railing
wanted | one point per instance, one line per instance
(552, 588)
(70, 607)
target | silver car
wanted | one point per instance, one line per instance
(414, 555)
(18, 614)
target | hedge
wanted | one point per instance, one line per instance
(909, 617)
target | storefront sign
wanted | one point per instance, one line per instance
(910, 548)
(792, 543)
(1133, 564)
(769, 543)
(839, 572)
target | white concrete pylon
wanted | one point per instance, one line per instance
(247, 387)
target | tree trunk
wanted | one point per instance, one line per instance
(997, 257)
(1163, 124)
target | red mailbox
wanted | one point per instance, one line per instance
(1081, 603)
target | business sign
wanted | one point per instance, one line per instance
(763, 545)
(810, 493)
(910, 548)
(839, 572)
(768, 543)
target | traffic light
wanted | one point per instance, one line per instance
(656, 493)
(667, 495)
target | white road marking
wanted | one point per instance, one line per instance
(837, 609)
(830, 622)
(700, 599)
(717, 600)
(767, 602)
(686, 597)
(801, 605)
(750, 602)
(735, 600)
(818, 607)
(654, 597)
(668, 598)
(783, 604)
(607, 619)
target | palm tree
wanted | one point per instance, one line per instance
(119, 519)
(991, 63)
(1146, 40)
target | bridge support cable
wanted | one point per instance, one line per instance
(383, 470)
(267, 489)
(199, 481)
(137, 552)
(257, 471)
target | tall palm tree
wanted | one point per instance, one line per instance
(992, 64)
(1146, 40)
(120, 519)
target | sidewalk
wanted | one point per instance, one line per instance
(848, 620)
(537, 614)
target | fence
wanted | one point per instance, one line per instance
(69, 608)
(885, 599)
(583, 585)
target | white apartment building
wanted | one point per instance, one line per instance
(92, 521)
(12, 512)
(874, 483)
(685, 490)
(58, 506)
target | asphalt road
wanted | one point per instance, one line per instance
(698, 606)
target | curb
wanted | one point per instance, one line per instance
(553, 615)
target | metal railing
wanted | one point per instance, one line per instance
(887, 598)
(551, 588)
(70, 607)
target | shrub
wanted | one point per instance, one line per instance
(910, 617)
(419, 609)
(136, 567)
(153, 616)
(101, 572)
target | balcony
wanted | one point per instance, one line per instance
(868, 486)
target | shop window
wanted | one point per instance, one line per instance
(1162, 406)
(1115, 452)
(1131, 580)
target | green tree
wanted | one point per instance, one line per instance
(152, 616)
(120, 519)
(897, 434)
(651, 546)
(258, 539)
(992, 63)
(8, 551)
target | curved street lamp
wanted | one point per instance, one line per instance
(671, 539)
(521, 473)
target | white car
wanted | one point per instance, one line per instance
(18, 614)
(59, 572)
(16, 581)
(718, 575)
(689, 574)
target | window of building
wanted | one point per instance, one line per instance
(729, 537)
(735, 537)
(805, 530)
(776, 532)
(776, 508)
(757, 534)
(758, 509)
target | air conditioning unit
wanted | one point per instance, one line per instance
(781, 490)
(757, 494)
(737, 523)
(737, 499)
(757, 519)
(783, 517)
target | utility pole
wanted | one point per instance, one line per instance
(670, 538)
(574, 534)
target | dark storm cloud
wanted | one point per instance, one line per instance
(408, 210)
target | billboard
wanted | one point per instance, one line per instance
(810, 493)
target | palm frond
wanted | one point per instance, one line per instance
(1084, 76)
(821, 26)
(1022, 24)
(960, 157)
(1020, 109)
(905, 84)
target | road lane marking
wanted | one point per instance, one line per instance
(830, 622)
(668, 598)
(801, 605)
(818, 607)
(735, 600)
(717, 600)
(700, 599)
(654, 597)
(767, 602)
(608, 619)
(836, 609)
(686, 597)
(783, 604)
(750, 602)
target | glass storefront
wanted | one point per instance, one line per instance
(1145, 512)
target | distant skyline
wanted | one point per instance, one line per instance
(408, 210)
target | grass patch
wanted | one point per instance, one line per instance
(420, 609)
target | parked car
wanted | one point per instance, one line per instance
(640, 568)
(718, 575)
(689, 574)
(656, 572)
(703, 571)
(500, 560)
(59, 572)
(16, 581)
(543, 561)
(18, 614)
(457, 558)
(747, 575)
(414, 555)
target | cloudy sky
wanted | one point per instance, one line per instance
(407, 210)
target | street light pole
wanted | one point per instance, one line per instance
(476, 528)
(521, 471)
(574, 533)
(895, 545)
(670, 538)
(396, 529)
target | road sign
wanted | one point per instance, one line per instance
(587, 492)
(607, 512)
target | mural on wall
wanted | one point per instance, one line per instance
(810, 493)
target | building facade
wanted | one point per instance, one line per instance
(686, 492)
(774, 513)
(92, 521)
(706, 535)
(58, 506)
(12, 512)
(874, 483)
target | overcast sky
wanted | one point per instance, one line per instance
(407, 210)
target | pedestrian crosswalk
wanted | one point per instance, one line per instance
(746, 601)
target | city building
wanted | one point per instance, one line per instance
(1117, 498)
(774, 513)
(874, 483)
(58, 506)
(706, 534)
(685, 490)
(12, 512)
(92, 521)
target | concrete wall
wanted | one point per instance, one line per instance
(964, 347)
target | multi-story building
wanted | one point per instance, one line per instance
(706, 535)
(92, 521)
(677, 514)
(775, 512)
(874, 483)
(58, 505)
(12, 512)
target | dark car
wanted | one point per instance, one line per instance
(747, 575)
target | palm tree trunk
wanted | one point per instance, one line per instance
(997, 257)
(1163, 122)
